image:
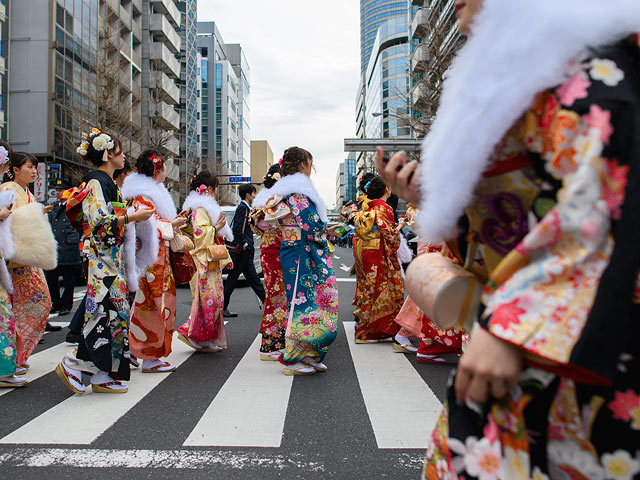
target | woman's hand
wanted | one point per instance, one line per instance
(142, 215)
(47, 208)
(401, 177)
(332, 230)
(4, 213)
(179, 221)
(488, 366)
(222, 221)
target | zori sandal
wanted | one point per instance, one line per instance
(404, 348)
(299, 369)
(163, 367)
(270, 357)
(108, 387)
(74, 383)
(184, 339)
(13, 382)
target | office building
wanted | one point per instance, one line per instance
(374, 13)
(261, 159)
(346, 182)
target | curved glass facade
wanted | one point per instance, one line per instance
(374, 13)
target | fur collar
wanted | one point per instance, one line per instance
(300, 183)
(7, 245)
(141, 246)
(518, 48)
(195, 200)
(137, 184)
(262, 198)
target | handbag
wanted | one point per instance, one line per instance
(181, 242)
(447, 293)
(183, 266)
(218, 253)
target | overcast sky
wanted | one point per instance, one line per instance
(305, 60)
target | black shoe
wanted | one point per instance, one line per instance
(52, 328)
(53, 310)
(227, 314)
(73, 337)
(64, 311)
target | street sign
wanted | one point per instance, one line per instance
(239, 179)
(40, 185)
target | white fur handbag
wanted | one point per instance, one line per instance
(33, 238)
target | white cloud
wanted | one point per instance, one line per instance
(305, 62)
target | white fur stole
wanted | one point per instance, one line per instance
(300, 183)
(141, 245)
(517, 49)
(195, 200)
(137, 184)
(262, 198)
(7, 245)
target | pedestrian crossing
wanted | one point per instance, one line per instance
(249, 410)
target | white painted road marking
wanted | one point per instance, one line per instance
(237, 417)
(336, 257)
(349, 280)
(345, 268)
(388, 378)
(177, 459)
(79, 412)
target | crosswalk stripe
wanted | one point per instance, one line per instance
(237, 417)
(388, 378)
(43, 362)
(90, 415)
(346, 280)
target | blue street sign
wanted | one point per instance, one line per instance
(239, 179)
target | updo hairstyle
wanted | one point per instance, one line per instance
(16, 161)
(146, 165)
(292, 159)
(95, 156)
(270, 179)
(366, 178)
(205, 178)
(376, 188)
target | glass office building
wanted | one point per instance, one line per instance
(374, 13)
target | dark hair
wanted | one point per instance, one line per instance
(17, 160)
(292, 159)
(245, 189)
(125, 169)
(205, 178)
(366, 178)
(145, 164)
(377, 188)
(269, 181)
(95, 156)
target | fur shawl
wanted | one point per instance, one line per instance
(262, 198)
(300, 183)
(141, 246)
(517, 49)
(195, 200)
(7, 245)
(137, 184)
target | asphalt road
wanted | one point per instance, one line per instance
(368, 416)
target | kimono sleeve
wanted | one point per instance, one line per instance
(204, 234)
(307, 218)
(102, 221)
(365, 222)
(386, 225)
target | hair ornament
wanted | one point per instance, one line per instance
(368, 184)
(280, 162)
(83, 149)
(4, 156)
(103, 142)
(201, 189)
(157, 163)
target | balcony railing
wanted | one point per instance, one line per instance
(162, 29)
(419, 23)
(166, 86)
(166, 116)
(168, 8)
(163, 58)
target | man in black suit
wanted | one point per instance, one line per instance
(243, 259)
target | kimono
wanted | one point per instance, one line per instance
(8, 347)
(383, 289)
(30, 299)
(568, 417)
(274, 316)
(307, 267)
(358, 297)
(154, 311)
(205, 324)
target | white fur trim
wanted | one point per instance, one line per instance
(195, 200)
(518, 48)
(141, 245)
(300, 183)
(35, 244)
(137, 184)
(7, 245)
(262, 198)
(405, 255)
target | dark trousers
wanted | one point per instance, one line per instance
(68, 274)
(243, 263)
(77, 322)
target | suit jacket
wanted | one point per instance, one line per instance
(67, 237)
(242, 232)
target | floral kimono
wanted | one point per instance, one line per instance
(154, 311)
(358, 297)
(31, 300)
(383, 290)
(8, 347)
(311, 286)
(205, 324)
(274, 316)
(564, 419)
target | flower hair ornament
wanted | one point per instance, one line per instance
(201, 189)
(157, 163)
(274, 176)
(101, 143)
(280, 162)
(4, 156)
